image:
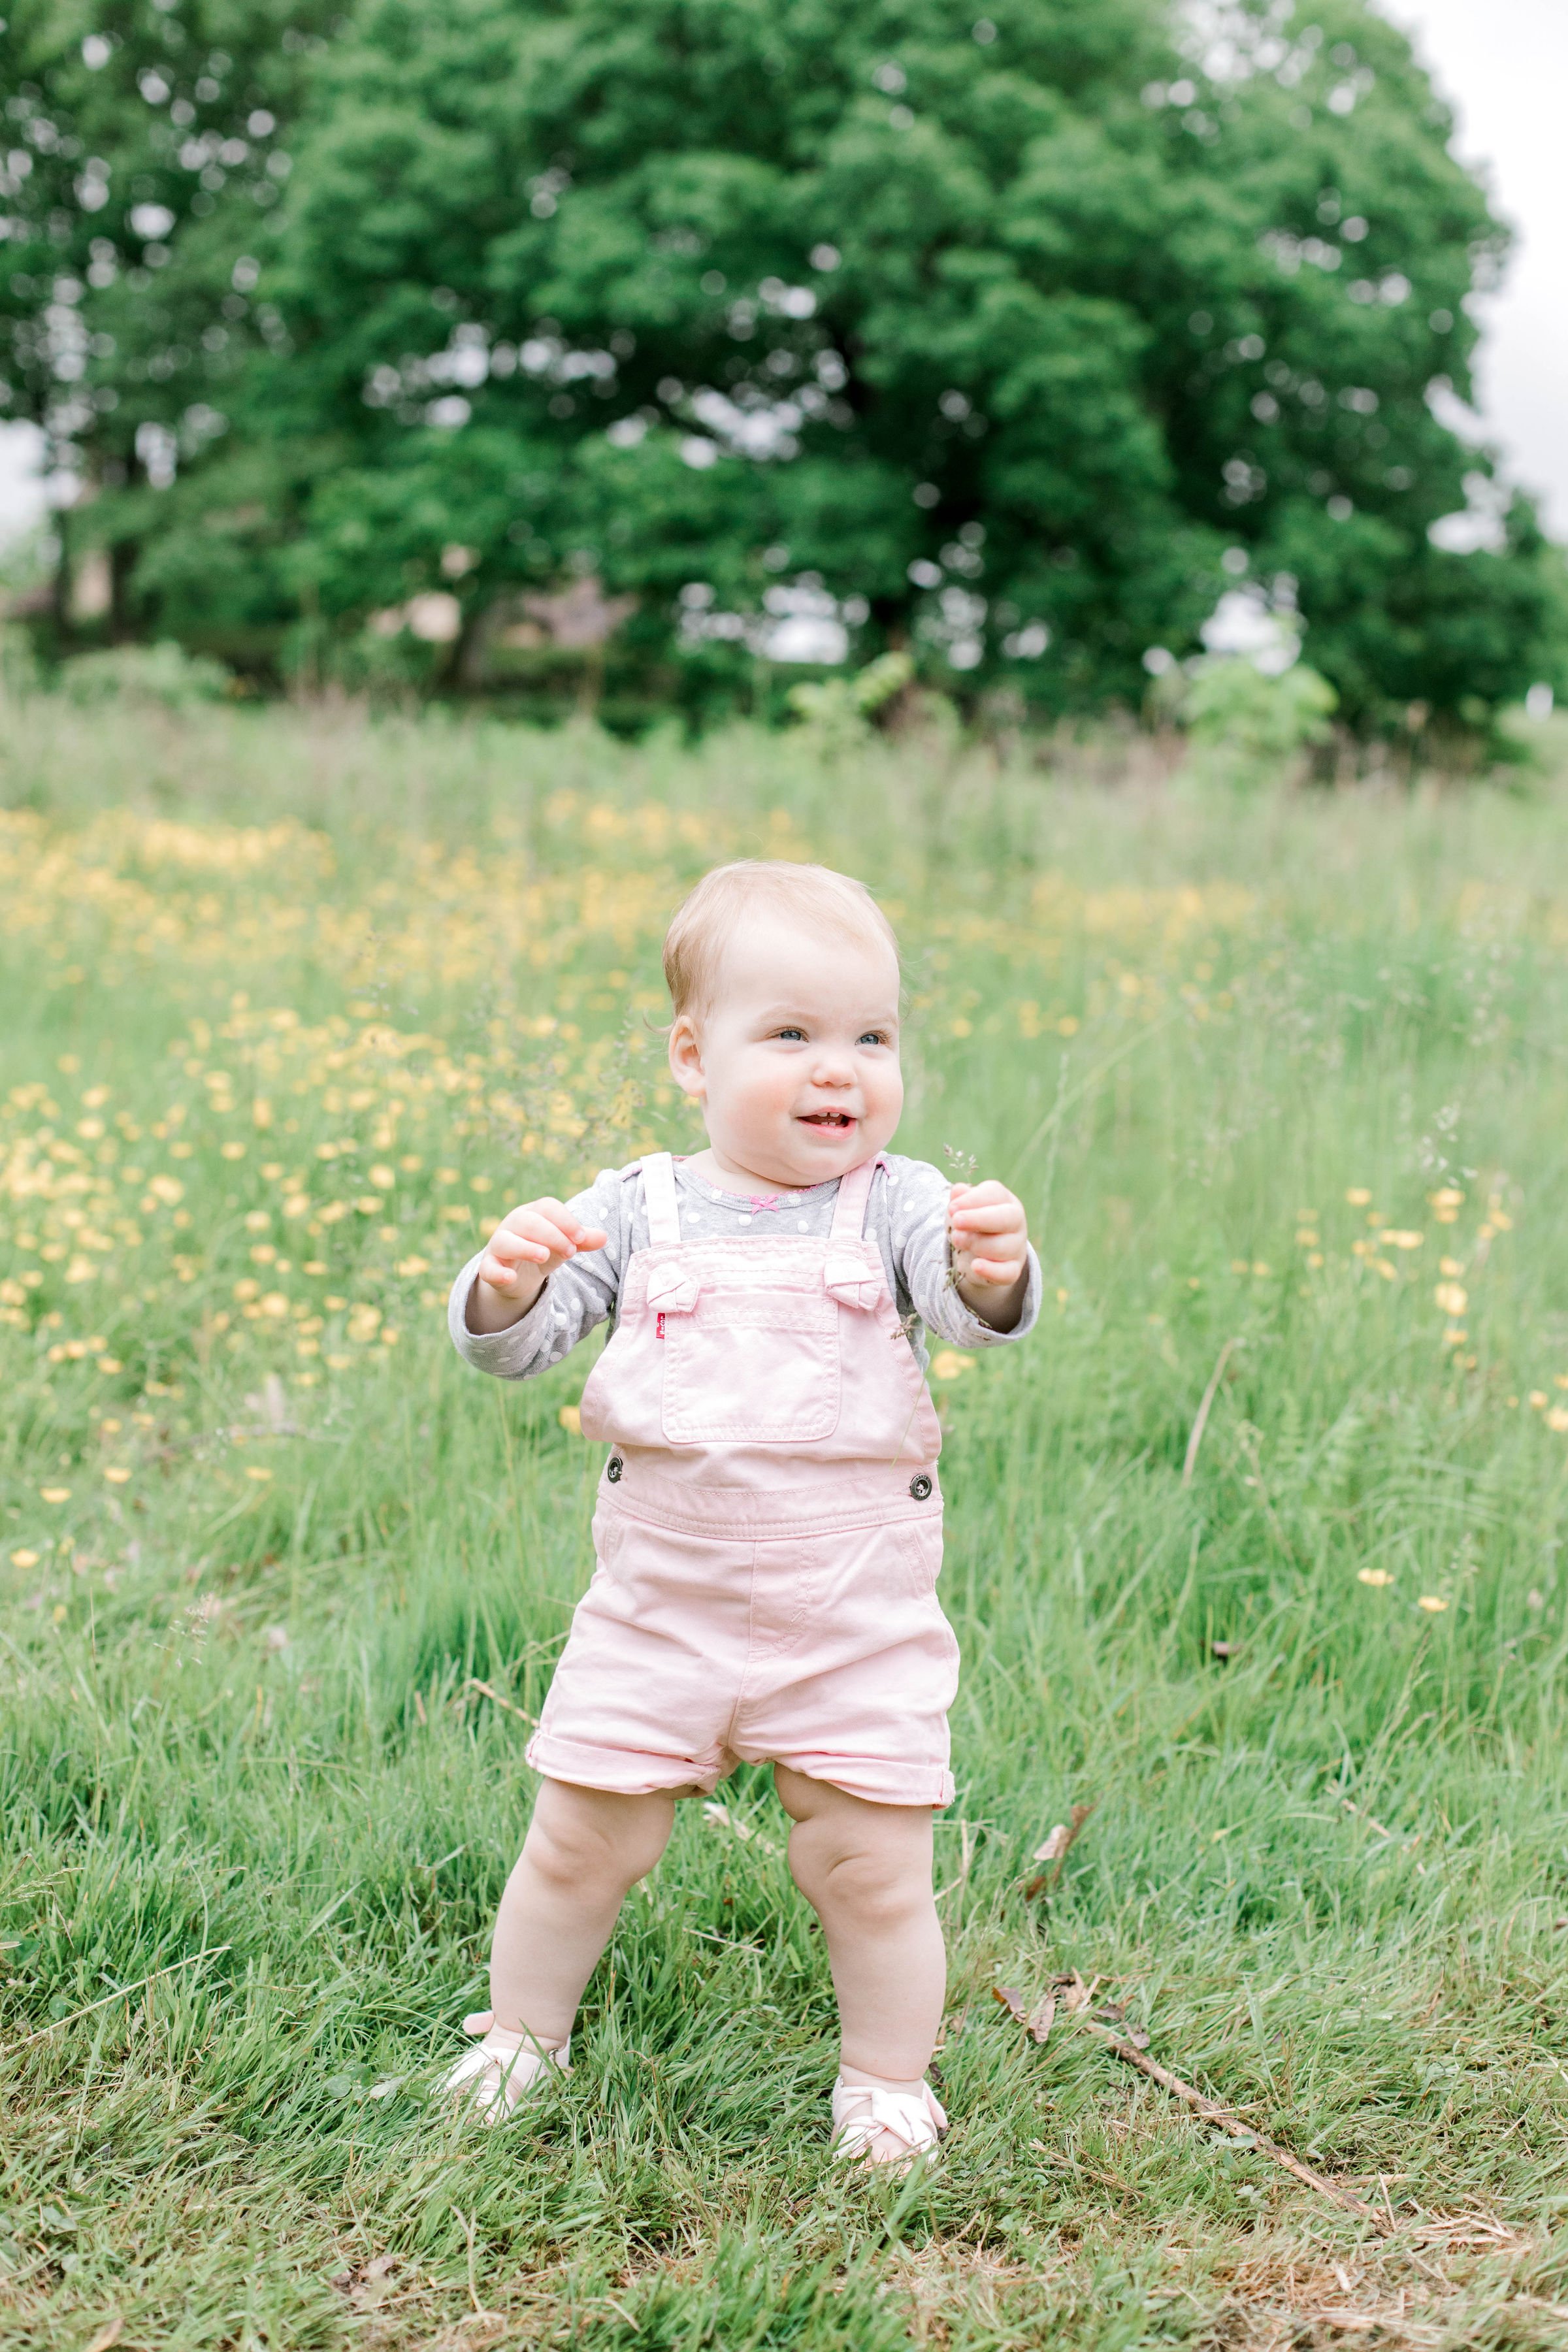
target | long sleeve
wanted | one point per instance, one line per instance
(918, 1196)
(578, 1297)
(907, 1216)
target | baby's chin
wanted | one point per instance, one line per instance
(822, 1148)
(798, 1153)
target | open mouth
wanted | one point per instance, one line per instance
(829, 1118)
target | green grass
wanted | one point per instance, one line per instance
(257, 1810)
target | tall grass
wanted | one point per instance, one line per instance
(293, 1005)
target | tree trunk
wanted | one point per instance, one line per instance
(61, 586)
(122, 558)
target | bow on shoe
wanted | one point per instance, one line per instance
(492, 2080)
(862, 2112)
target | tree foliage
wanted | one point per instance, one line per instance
(1249, 727)
(139, 154)
(992, 337)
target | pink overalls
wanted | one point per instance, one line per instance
(769, 1524)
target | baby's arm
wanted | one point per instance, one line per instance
(962, 1257)
(548, 1275)
(990, 1251)
(526, 1248)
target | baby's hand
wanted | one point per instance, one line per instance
(989, 1236)
(529, 1243)
(521, 1255)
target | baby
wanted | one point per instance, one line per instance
(769, 1524)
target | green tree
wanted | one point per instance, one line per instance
(1250, 729)
(141, 148)
(1015, 336)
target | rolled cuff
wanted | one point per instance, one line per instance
(877, 1782)
(635, 1772)
(624, 1771)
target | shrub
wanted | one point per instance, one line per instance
(145, 677)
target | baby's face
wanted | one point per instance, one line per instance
(795, 1060)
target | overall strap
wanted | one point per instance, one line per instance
(854, 1191)
(659, 1191)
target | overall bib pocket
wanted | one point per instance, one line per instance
(756, 1368)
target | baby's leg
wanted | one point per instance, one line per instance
(865, 1870)
(584, 1848)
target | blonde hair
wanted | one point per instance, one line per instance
(827, 902)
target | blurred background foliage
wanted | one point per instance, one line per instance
(640, 354)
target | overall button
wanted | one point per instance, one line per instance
(614, 1466)
(920, 1488)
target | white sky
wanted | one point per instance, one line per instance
(1504, 66)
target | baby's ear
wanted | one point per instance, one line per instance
(686, 1054)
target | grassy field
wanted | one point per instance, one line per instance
(291, 1007)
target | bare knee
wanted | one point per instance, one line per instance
(869, 1887)
(582, 1840)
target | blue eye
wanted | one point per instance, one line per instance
(872, 1037)
(793, 1032)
